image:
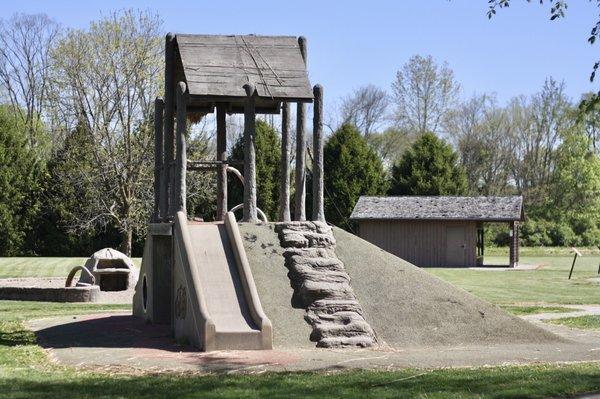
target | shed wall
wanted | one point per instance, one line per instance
(420, 242)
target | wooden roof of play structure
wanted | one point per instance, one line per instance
(487, 209)
(216, 67)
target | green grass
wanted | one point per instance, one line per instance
(547, 285)
(41, 267)
(542, 251)
(590, 322)
(524, 310)
(26, 372)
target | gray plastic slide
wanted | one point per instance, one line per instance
(220, 279)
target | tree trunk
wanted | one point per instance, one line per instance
(126, 242)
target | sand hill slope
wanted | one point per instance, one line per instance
(405, 305)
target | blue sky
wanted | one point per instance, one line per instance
(351, 44)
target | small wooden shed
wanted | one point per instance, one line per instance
(440, 231)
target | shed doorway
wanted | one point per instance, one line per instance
(456, 244)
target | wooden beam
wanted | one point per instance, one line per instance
(159, 181)
(250, 213)
(300, 194)
(169, 137)
(222, 157)
(181, 164)
(317, 181)
(284, 169)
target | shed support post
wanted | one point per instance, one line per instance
(222, 157)
(180, 191)
(159, 195)
(250, 213)
(169, 113)
(514, 244)
(317, 183)
(284, 169)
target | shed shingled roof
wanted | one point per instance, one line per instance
(439, 208)
(220, 65)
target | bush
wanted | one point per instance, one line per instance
(562, 235)
(535, 234)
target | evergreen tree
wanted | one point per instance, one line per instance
(268, 156)
(429, 167)
(352, 169)
(21, 174)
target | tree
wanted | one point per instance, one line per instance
(390, 145)
(21, 175)
(268, 156)
(423, 93)
(429, 167)
(481, 133)
(575, 190)
(365, 108)
(104, 82)
(351, 169)
(25, 43)
(537, 125)
(558, 10)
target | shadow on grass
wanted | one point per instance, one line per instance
(15, 338)
(492, 383)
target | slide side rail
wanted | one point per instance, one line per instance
(206, 327)
(255, 307)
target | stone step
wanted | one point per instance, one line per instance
(309, 252)
(333, 264)
(306, 272)
(329, 306)
(311, 291)
(363, 341)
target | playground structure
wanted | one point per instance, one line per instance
(319, 285)
(195, 275)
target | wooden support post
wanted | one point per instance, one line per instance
(221, 156)
(317, 183)
(250, 213)
(159, 197)
(284, 170)
(514, 242)
(577, 253)
(300, 195)
(180, 198)
(169, 114)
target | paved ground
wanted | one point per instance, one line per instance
(120, 341)
(578, 310)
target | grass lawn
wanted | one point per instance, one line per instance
(591, 322)
(42, 267)
(524, 310)
(26, 372)
(549, 284)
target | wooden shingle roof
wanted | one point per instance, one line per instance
(491, 209)
(216, 67)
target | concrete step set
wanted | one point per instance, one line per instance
(322, 286)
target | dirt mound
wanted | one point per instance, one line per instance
(405, 305)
